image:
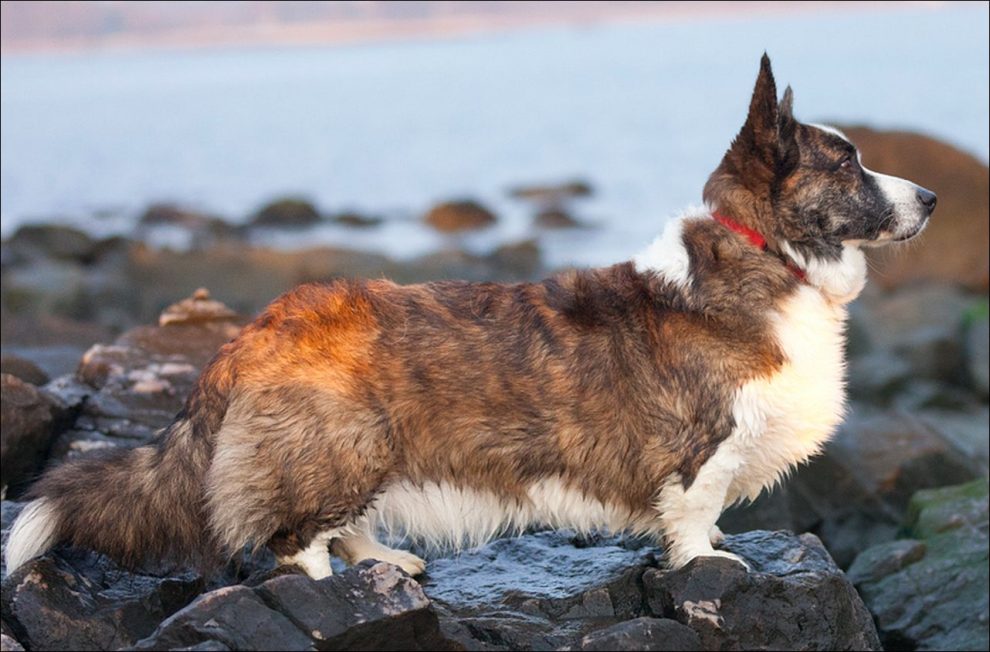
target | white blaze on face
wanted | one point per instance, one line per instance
(909, 214)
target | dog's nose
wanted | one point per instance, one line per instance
(927, 199)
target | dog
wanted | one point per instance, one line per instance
(645, 397)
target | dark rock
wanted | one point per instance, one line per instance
(172, 215)
(953, 247)
(287, 213)
(921, 326)
(136, 385)
(372, 606)
(23, 369)
(29, 421)
(462, 215)
(77, 600)
(233, 618)
(183, 228)
(553, 194)
(357, 220)
(977, 351)
(642, 634)
(555, 217)
(51, 241)
(794, 598)
(519, 259)
(930, 592)
(891, 455)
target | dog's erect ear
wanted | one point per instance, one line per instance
(768, 136)
(787, 148)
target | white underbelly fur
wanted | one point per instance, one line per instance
(442, 516)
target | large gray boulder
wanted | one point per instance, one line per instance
(930, 591)
(793, 598)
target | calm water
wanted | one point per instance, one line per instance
(642, 111)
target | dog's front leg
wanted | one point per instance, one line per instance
(688, 513)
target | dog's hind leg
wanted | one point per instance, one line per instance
(314, 559)
(294, 469)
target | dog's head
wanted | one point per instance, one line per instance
(802, 186)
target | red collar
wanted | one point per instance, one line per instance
(757, 241)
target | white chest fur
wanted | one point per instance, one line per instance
(783, 420)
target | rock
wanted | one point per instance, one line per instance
(642, 634)
(136, 385)
(10, 643)
(921, 326)
(977, 350)
(461, 215)
(795, 598)
(879, 376)
(28, 424)
(183, 228)
(519, 259)
(891, 455)
(52, 241)
(357, 220)
(552, 194)
(77, 600)
(23, 369)
(555, 218)
(197, 308)
(930, 592)
(231, 618)
(172, 215)
(539, 591)
(371, 606)
(287, 213)
(953, 247)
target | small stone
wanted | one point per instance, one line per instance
(197, 308)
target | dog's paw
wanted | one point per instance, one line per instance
(716, 536)
(407, 561)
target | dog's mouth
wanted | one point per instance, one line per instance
(887, 238)
(918, 229)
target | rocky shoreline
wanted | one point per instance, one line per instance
(97, 353)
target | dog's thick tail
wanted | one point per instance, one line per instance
(135, 505)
